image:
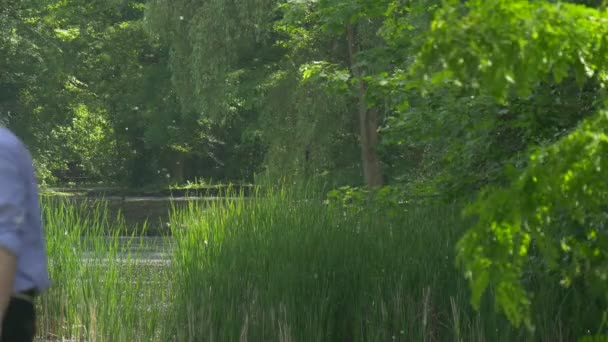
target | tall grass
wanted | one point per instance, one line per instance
(280, 267)
(100, 292)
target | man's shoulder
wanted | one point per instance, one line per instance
(9, 142)
(8, 138)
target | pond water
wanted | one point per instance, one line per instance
(156, 244)
(146, 247)
(151, 211)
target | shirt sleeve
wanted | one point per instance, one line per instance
(12, 203)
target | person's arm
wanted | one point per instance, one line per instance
(12, 216)
(8, 268)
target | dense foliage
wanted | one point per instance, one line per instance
(89, 89)
(551, 216)
(501, 103)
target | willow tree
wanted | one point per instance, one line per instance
(209, 41)
(219, 54)
(551, 217)
(302, 61)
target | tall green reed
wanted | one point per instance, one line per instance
(277, 266)
(99, 292)
(292, 268)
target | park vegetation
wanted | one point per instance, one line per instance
(418, 170)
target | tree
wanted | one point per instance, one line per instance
(554, 207)
(214, 61)
(88, 87)
(215, 64)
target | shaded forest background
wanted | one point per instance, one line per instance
(117, 92)
(500, 104)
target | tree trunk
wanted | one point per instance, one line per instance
(368, 120)
(178, 167)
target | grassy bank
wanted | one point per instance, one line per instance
(278, 268)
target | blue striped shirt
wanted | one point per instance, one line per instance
(21, 230)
